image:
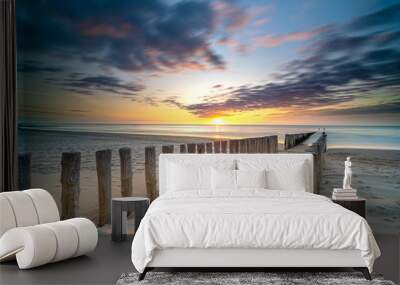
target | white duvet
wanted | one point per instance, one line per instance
(250, 219)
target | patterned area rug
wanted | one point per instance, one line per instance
(228, 278)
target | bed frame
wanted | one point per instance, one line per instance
(242, 259)
(250, 259)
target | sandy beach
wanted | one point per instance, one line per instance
(376, 176)
(376, 173)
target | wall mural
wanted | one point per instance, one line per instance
(95, 75)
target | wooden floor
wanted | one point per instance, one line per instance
(110, 260)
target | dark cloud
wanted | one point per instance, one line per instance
(111, 85)
(386, 108)
(146, 100)
(78, 111)
(342, 64)
(173, 101)
(28, 109)
(32, 66)
(382, 18)
(124, 34)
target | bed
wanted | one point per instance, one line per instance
(247, 210)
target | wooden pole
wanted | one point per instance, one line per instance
(286, 142)
(217, 146)
(103, 166)
(236, 146)
(125, 158)
(273, 144)
(257, 145)
(24, 171)
(167, 149)
(201, 148)
(150, 172)
(243, 146)
(182, 148)
(232, 146)
(70, 189)
(209, 147)
(191, 148)
(251, 145)
(265, 145)
(224, 146)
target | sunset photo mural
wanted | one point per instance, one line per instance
(104, 74)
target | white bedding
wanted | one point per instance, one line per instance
(253, 218)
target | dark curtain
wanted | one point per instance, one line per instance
(8, 101)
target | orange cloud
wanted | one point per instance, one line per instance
(273, 41)
(91, 29)
(233, 44)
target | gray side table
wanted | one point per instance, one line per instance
(120, 209)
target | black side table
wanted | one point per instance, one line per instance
(356, 205)
(120, 208)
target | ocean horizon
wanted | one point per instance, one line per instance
(339, 136)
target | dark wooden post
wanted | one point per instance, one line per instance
(150, 172)
(255, 145)
(261, 144)
(209, 147)
(182, 148)
(224, 146)
(237, 146)
(265, 145)
(232, 146)
(24, 171)
(70, 189)
(286, 141)
(167, 149)
(325, 143)
(125, 157)
(243, 146)
(251, 145)
(103, 166)
(201, 148)
(217, 146)
(316, 169)
(273, 144)
(191, 148)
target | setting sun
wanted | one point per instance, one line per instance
(217, 121)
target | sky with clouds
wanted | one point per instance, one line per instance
(242, 62)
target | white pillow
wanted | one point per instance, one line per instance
(223, 179)
(251, 178)
(183, 177)
(294, 178)
(282, 174)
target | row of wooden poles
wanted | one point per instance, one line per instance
(291, 140)
(268, 144)
(70, 180)
(71, 165)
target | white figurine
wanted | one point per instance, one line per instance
(347, 174)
